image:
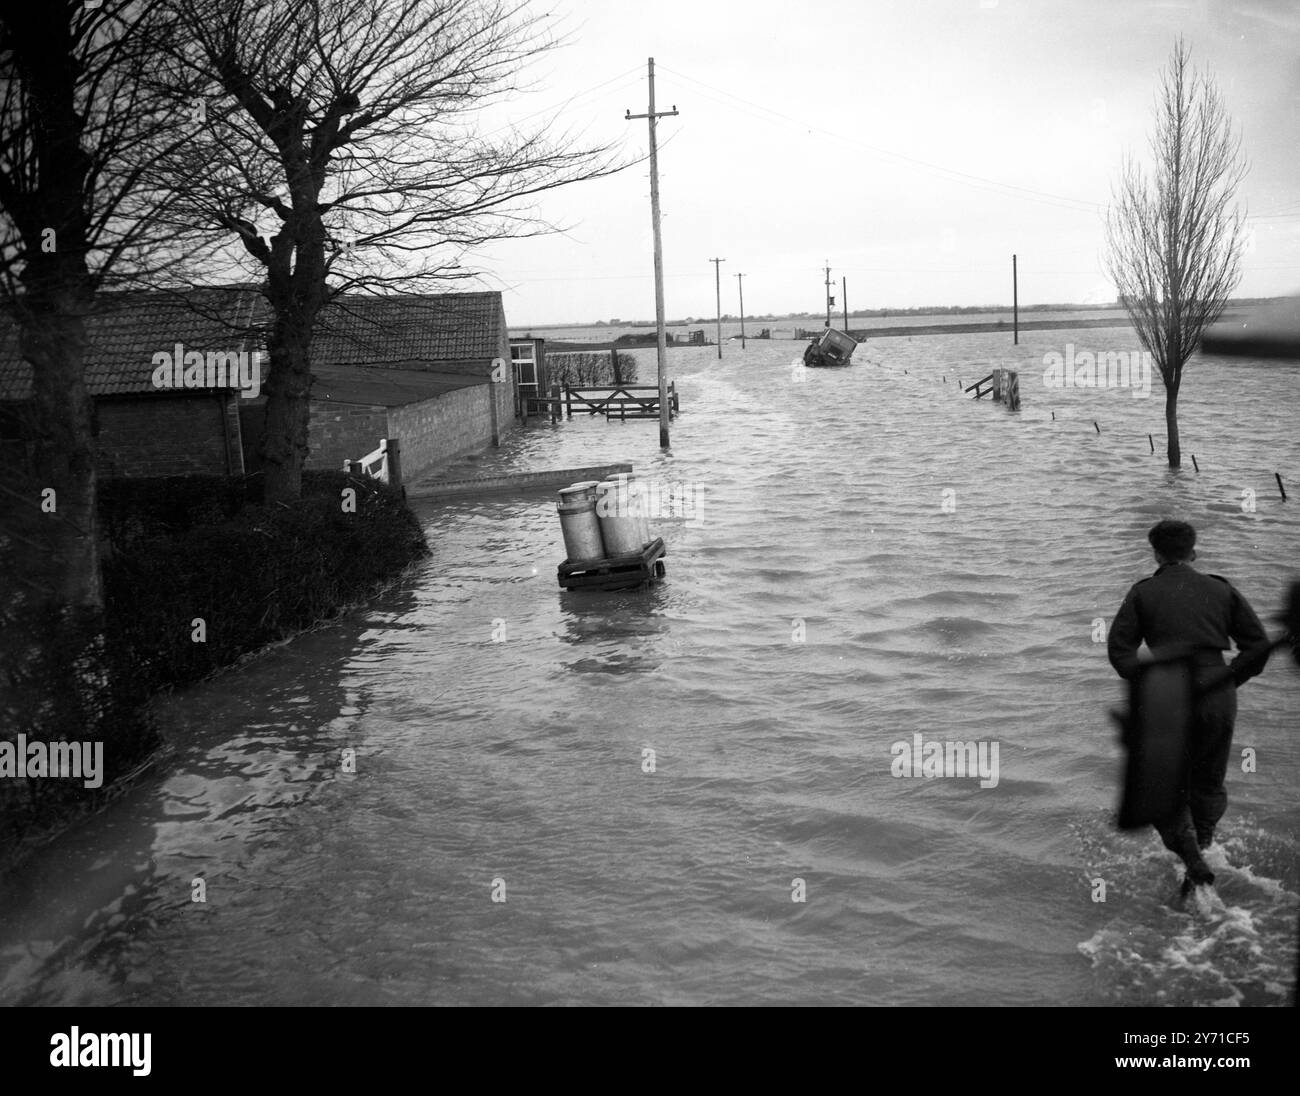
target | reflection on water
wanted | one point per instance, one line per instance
(643, 775)
(619, 632)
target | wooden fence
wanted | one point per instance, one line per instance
(1002, 384)
(629, 401)
(383, 463)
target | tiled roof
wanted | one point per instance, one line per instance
(127, 329)
(366, 330)
(384, 386)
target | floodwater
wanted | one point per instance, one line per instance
(855, 558)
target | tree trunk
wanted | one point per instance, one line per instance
(295, 290)
(1171, 427)
(52, 336)
(288, 388)
(296, 302)
(65, 680)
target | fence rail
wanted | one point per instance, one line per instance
(624, 401)
(382, 463)
(1003, 386)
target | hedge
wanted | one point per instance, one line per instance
(588, 367)
(176, 550)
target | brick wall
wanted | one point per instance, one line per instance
(164, 435)
(435, 432)
(343, 431)
(505, 390)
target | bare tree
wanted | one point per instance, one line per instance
(342, 152)
(77, 119)
(1175, 237)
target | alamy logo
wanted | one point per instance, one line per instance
(950, 759)
(181, 368)
(82, 761)
(656, 500)
(78, 1048)
(1112, 369)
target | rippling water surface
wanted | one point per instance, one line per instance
(820, 606)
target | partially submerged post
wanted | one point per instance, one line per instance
(1015, 305)
(717, 285)
(740, 281)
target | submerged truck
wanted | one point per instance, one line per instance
(833, 348)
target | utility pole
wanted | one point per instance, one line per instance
(740, 281)
(829, 298)
(661, 340)
(1015, 305)
(844, 300)
(717, 284)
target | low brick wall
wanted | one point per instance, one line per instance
(516, 481)
(506, 403)
(436, 432)
(163, 435)
(338, 432)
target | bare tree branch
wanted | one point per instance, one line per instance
(342, 152)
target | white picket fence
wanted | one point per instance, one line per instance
(374, 463)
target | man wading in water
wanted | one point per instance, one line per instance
(1178, 607)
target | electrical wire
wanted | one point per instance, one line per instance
(1008, 189)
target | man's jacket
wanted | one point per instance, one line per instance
(1179, 606)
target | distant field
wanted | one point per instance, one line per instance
(784, 328)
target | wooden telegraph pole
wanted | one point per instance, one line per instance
(1015, 305)
(740, 281)
(844, 300)
(828, 293)
(717, 285)
(661, 341)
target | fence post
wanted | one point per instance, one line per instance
(354, 468)
(394, 450)
(555, 403)
(568, 401)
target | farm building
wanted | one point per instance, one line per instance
(430, 370)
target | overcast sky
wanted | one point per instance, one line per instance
(913, 144)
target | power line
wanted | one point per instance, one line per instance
(1078, 204)
(634, 73)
